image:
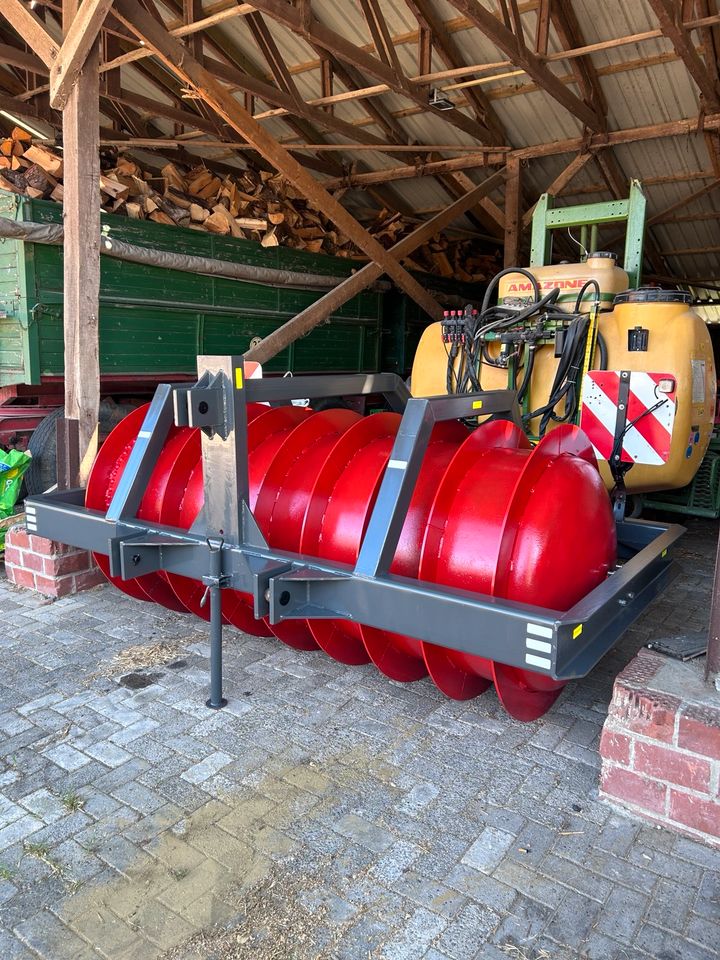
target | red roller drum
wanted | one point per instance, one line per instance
(489, 514)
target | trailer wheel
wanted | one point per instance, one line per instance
(42, 472)
(42, 444)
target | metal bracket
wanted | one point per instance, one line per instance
(147, 554)
(203, 405)
(618, 469)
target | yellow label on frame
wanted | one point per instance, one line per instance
(577, 631)
(477, 404)
(238, 378)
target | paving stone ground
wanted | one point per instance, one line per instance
(327, 813)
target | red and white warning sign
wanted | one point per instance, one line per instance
(648, 419)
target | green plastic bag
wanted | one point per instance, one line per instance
(13, 465)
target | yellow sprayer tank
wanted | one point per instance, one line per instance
(569, 278)
(678, 345)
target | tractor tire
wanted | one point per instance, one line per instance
(42, 472)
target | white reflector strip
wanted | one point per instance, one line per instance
(542, 645)
(539, 631)
(398, 464)
(145, 434)
(537, 661)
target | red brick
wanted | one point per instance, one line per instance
(666, 763)
(31, 561)
(615, 747)
(21, 577)
(699, 731)
(695, 812)
(632, 788)
(93, 578)
(17, 536)
(54, 586)
(13, 555)
(45, 547)
(70, 563)
(648, 713)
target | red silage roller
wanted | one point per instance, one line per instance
(489, 514)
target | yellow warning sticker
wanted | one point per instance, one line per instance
(664, 553)
(238, 378)
(477, 404)
(577, 631)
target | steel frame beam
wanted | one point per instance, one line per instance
(225, 548)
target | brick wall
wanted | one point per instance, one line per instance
(51, 568)
(661, 752)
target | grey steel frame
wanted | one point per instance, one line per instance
(226, 549)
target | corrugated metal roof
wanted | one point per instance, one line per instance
(643, 83)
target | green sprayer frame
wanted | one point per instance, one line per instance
(589, 217)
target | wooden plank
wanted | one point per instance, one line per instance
(513, 213)
(177, 58)
(323, 308)
(81, 249)
(485, 21)
(76, 46)
(31, 29)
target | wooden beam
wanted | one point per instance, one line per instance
(560, 182)
(425, 50)
(685, 202)
(271, 54)
(195, 76)
(81, 250)
(382, 41)
(667, 13)
(513, 213)
(323, 308)
(426, 14)
(76, 46)
(319, 35)
(31, 29)
(521, 56)
(543, 28)
(570, 35)
(13, 57)
(327, 77)
(192, 13)
(19, 107)
(597, 143)
(690, 251)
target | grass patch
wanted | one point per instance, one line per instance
(72, 801)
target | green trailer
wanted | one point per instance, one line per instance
(155, 321)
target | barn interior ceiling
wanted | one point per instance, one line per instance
(406, 105)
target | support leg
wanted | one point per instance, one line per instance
(214, 583)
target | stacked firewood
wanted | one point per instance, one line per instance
(255, 205)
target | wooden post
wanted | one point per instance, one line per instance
(513, 213)
(81, 249)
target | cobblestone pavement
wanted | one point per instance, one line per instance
(326, 813)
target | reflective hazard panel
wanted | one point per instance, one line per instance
(649, 417)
